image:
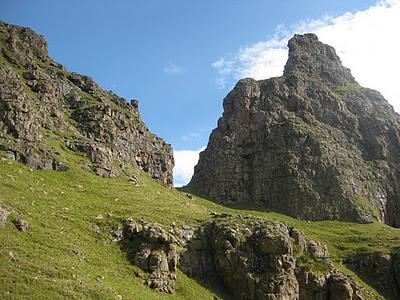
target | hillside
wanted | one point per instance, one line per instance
(87, 210)
(68, 251)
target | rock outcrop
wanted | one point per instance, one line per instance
(251, 257)
(312, 144)
(155, 251)
(44, 109)
(380, 270)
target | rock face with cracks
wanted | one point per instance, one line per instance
(312, 144)
(251, 259)
(380, 270)
(44, 107)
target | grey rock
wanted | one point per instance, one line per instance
(312, 144)
(254, 259)
(340, 287)
(317, 249)
(57, 166)
(134, 180)
(4, 213)
(381, 270)
(157, 252)
(21, 225)
(48, 102)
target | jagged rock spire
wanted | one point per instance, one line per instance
(310, 57)
(312, 144)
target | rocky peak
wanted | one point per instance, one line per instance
(311, 144)
(312, 58)
(46, 111)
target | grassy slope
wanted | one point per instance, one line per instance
(64, 255)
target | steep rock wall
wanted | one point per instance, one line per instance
(311, 144)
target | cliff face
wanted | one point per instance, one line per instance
(43, 107)
(311, 144)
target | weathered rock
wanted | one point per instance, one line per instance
(4, 213)
(317, 249)
(49, 106)
(312, 144)
(255, 260)
(380, 270)
(340, 287)
(264, 271)
(21, 225)
(134, 180)
(157, 253)
(312, 286)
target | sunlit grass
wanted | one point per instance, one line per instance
(68, 253)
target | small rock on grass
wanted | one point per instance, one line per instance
(3, 216)
(134, 180)
(21, 225)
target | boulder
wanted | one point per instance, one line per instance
(21, 225)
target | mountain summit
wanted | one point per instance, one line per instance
(312, 144)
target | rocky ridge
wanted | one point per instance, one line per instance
(45, 109)
(312, 144)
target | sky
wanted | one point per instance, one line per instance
(180, 58)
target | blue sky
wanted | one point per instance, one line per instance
(179, 58)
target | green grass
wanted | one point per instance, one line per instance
(68, 253)
(343, 89)
(315, 265)
(62, 254)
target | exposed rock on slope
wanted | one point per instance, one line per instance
(253, 258)
(311, 144)
(42, 104)
(4, 213)
(380, 270)
(155, 251)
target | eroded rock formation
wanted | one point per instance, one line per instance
(251, 257)
(45, 109)
(311, 144)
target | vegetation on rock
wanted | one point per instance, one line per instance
(86, 211)
(312, 144)
(42, 105)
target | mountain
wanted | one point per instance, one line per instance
(312, 143)
(43, 107)
(87, 210)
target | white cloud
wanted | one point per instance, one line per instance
(367, 42)
(185, 160)
(172, 69)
